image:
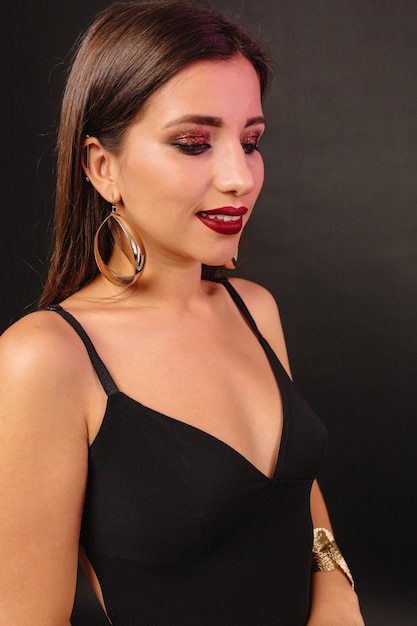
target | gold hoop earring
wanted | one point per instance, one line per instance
(132, 248)
(231, 265)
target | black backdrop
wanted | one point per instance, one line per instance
(334, 238)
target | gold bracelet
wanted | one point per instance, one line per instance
(326, 554)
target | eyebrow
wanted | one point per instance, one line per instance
(207, 120)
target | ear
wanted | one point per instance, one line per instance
(99, 166)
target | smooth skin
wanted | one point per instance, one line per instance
(151, 336)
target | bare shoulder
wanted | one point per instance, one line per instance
(42, 360)
(257, 298)
(264, 310)
(39, 344)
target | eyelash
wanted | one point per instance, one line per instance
(191, 149)
(250, 148)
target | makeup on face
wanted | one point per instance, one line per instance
(196, 140)
(190, 170)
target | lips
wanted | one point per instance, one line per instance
(225, 220)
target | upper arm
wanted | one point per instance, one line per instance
(43, 467)
(264, 310)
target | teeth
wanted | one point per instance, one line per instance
(220, 217)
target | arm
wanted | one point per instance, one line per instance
(334, 603)
(43, 466)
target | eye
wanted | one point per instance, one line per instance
(192, 142)
(250, 142)
(191, 148)
(250, 148)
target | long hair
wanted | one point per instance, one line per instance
(129, 51)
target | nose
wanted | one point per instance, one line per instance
(237, 172)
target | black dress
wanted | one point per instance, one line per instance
(182, 530)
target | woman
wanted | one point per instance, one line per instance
(180, 463)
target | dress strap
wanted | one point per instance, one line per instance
(241, 306)
(102, 372)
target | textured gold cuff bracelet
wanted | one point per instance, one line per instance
(326, 554)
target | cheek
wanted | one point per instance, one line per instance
(144, 180)
(259, 174)
(163, 173)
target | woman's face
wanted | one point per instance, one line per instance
(189, 171)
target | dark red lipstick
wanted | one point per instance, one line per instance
(226, 220)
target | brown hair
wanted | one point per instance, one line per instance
(130, 50)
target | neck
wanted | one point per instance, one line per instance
(175, 287)
(171, 286)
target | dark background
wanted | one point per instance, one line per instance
(334, 238)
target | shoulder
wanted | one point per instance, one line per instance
(257, 298)
(264, 310)
(40, 337)
(40, 353)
